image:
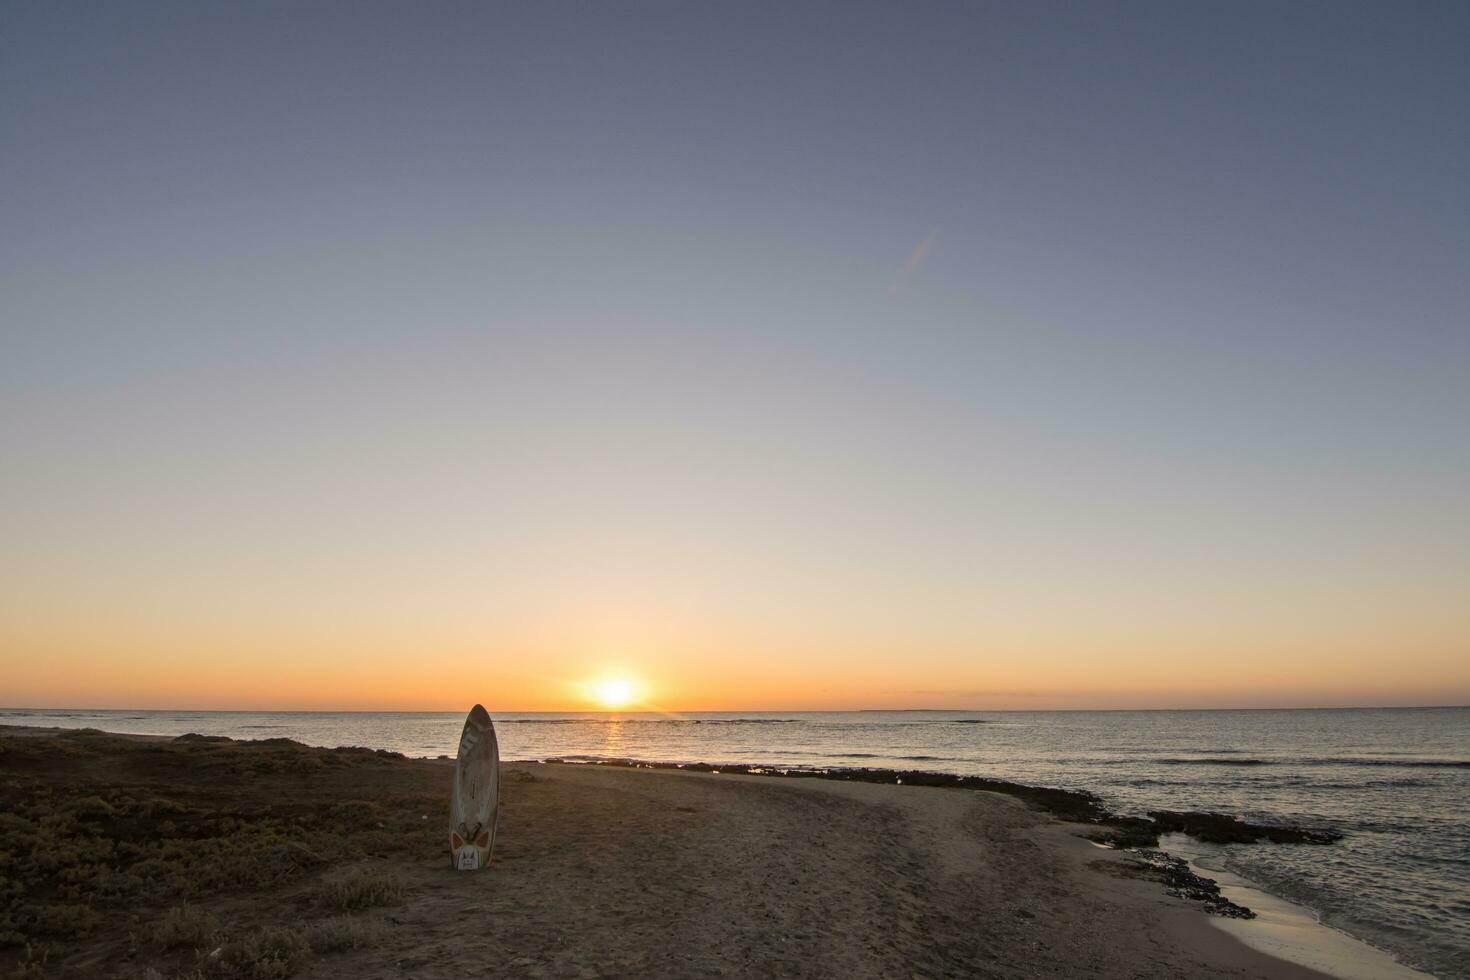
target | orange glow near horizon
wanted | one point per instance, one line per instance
(253, 639)
(1108, 672)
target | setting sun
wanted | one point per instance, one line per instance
(614, 692)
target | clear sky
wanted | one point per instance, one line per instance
(770, 355)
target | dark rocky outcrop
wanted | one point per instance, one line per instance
(1178, 880)
(1127, 832)
(1222, 828)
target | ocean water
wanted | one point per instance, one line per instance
(1395, 780)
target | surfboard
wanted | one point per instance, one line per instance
(474, 802)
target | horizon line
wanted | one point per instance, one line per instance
(692, 711)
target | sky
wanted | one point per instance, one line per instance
(797, 355)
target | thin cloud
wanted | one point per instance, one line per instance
(915, 260)
(979, 694)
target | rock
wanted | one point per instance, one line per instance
(1184, 883)
(1127, 832)
(1222, 828)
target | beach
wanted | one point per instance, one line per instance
(134, 856)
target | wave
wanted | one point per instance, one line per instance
(736, 721)
(1413, 763)
(1407, 782)
(647, 721)
(885, 755)
(1382, 763)
(548, 721)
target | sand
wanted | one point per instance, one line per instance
(221, 859)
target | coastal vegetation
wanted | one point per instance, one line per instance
(147, 849)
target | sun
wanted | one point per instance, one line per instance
(615, 691)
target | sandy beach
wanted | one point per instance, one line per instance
(128, 856)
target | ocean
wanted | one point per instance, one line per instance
(1395, 780)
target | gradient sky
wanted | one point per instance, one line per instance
(779, 355)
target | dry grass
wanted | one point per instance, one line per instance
(359, 888)
(269, 954)
(32, 964)
(342, 933)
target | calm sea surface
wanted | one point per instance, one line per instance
(1397, 781)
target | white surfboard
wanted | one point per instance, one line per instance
(474, 802)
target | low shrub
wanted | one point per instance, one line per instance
(341, 933)
(270, 954)
(187, 926)
(359, 888)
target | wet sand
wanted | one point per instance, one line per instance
(159, 858)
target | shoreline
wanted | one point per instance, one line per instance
(1291, 931)
(939, 854)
